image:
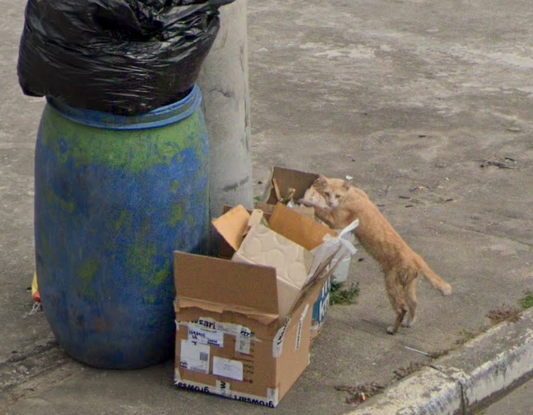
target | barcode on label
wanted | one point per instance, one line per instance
(194, 357)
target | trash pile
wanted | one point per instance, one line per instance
(246, 330)
(124, 57)
(247, 318)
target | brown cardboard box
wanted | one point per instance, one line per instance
(233, 338)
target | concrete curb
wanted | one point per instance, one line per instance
(466, 379)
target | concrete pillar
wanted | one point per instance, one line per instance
(224, 84)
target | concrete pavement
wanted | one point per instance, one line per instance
(466, 379)
(411, 97)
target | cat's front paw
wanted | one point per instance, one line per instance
(390, 330)
(306, 203)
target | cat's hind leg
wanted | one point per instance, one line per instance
(395, 292)
(399, 318)
(410, 299)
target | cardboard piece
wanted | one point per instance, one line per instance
(288, 178)
(215, 289)
(308, 212)
(232, 226)
(283, 246)
(298, 228)
(237, 334)
(292, 262)
(255, 219)
(263, 246)
(273, 247)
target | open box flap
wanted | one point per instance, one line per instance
(313, 286)
(220, 281)
(326, 270)
(300, 181)
(232, 226)
(298, 228)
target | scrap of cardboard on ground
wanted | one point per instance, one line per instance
(245, 321)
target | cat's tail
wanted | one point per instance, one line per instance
(433, 278)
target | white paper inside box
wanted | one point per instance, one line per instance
(239, 334)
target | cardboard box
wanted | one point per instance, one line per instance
(237, 335)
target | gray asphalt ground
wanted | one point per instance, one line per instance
(427, 104)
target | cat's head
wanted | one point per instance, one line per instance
(333, 190)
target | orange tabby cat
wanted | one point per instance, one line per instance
(400, 264)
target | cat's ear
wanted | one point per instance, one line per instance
(348, 183)
(322, 180)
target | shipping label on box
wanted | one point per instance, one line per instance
(194, 356)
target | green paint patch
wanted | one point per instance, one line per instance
(190, 220)
(161, 276)
(87, 273)
(141, 258)
(176, 216)
(142, 262)
(46, 249)
(175, 185)
(125, 219)
(132, 151)
(52, 199)
(89, 269)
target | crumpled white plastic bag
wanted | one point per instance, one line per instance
(333, 244)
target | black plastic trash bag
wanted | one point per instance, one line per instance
(121, 56)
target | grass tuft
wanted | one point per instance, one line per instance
(527, 301)
(340, 295)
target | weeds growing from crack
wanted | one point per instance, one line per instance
(340, 295)
(504, 313)
(527, 301)
(466, 336)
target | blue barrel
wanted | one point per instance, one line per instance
(115, 196)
